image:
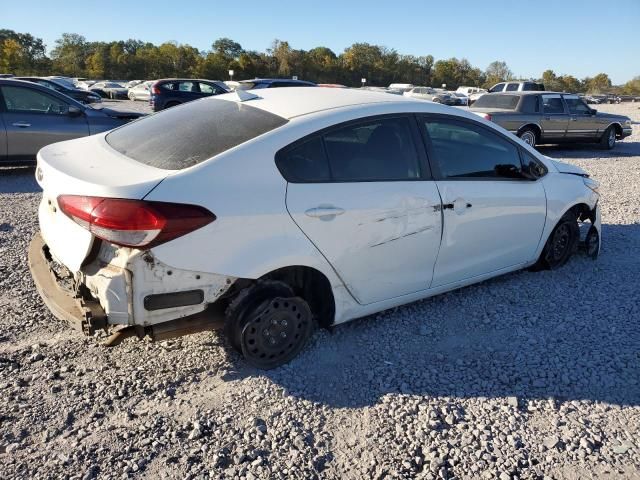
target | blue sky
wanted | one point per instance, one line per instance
(579, 37)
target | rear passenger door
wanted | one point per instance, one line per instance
(555, 118)
(362, 193)
(493, 217)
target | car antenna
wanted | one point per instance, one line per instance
(243, 95)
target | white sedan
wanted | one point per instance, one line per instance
(283, 209)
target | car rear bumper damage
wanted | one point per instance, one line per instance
(127, 287)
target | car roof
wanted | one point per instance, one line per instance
(273, 80)
(290, 102)
(530, 92)
(187, 80)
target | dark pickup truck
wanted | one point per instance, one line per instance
(550, 117)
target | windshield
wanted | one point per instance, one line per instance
(189, 134)
(497, 100)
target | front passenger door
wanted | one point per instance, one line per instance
(492, 216)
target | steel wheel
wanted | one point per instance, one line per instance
(592, 243)
(560, 243)
(608, 140)
(276, 332)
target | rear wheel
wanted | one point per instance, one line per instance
(268, 324)
(608, 139)
(529, 136)
(561, 244)
(132, 96)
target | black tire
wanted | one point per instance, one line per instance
(247, 300)
(561, 244)
(268, 324)
(529, 136)
(608, 139)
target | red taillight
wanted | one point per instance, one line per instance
(155, 90)
(486, 116)
(134, 223)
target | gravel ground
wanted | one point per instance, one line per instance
(530, 375)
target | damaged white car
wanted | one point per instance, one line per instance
(281, 210)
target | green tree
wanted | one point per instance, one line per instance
(601, 83)
(496, 72)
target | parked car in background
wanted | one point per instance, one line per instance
(549, 117)
(432, 95)
(85, 84)
(294, 209)
(517, 87)
(470, 90)
(141, 91)
(32, 116)
(111, 90)
(460, 98)
(133, 83)
(6, 75)
(273, 83)
(476, 95)
(170, 92)
(400, 88)
(81, 96)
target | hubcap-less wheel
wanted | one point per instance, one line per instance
(592, 242)
(560, 243)
(276, 332)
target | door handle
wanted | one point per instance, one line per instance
(21, 124)
(324, 212)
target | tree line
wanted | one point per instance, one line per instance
(74, 56)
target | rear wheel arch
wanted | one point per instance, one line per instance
(313, 286)
(531, 126)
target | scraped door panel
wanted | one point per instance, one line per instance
(382, 238)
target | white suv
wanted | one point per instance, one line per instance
(295, 208)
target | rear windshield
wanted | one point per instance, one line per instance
(189, 134)
(497, 100)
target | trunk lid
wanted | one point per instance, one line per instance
(86, 166)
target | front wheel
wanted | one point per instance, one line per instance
(608, 139)
(529, 136)
(561, 244)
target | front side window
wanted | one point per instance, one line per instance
(19, 99)
(465, 150)
(576, 105)
(552, 104)
(377, 150)
(497, 88)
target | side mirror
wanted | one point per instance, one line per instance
(532, 171)
(74, 111)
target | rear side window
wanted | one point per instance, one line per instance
(378, 150)
(189, 134)
(464, 150)
(497, 100)
(512, 87)
(530, 104)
